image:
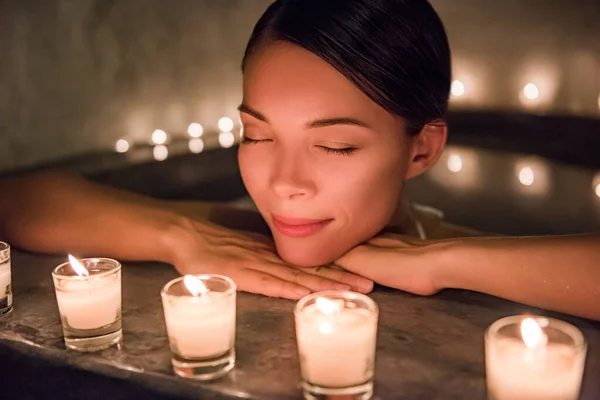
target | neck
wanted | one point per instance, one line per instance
(403, 220)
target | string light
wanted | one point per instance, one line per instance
(225, 124)
(159, 136)
(457, 88)
(160, 153)
(226, 139)
(195, 130)
(122, 146)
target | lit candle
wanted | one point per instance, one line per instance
(336, 333)
(534, 358)
(200, 319)
(5, 279)
(88, 293)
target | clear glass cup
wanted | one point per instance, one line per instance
(90, 306)
(336, 333)
(201, 328)
(6, 298)
(541, 359)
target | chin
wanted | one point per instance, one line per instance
(307, 254)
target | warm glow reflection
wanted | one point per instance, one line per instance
(458, 168)
(596, 185)
(458, 88)
(122, 146)
(532, 333)
(327, 306)
(195, 130)
(329, 309)
(159, 137)
(533, 176)
(160, 153)
(226, 139)
(78, 267)
(225, 124)
(598, 101)
(194, 285)
(196, 145)
(455, 163)
(526, 176)
(531, 91)
(241, 129)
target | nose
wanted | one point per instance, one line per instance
(292, 178)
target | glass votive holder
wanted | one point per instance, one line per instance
(89, 305)
(200, 319)
(534, 358)
(6, 304)
(336, 333)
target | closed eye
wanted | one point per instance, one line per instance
(347, 151)
(247, 140)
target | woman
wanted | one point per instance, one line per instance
(343, 102)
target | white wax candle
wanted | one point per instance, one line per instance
(336, 350)
(91, 303)
(5, 278)
(515, 372)
(201, 327)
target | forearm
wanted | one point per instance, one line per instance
(58, 213)
(560, 273)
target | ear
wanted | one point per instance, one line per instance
(426, 148)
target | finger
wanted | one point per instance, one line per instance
(220, 234)
(248, 242)
(356, 282)
(369, 262)
(298, 276)
(253, 281)
(391, 242)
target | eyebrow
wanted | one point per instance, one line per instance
(318, 123)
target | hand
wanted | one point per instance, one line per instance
(397, 261)
(251, 261)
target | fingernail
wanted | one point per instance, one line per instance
(341, 286)
(301, 291)
(365, 285)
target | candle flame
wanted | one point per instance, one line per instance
(194, 285)
(78, 267)
(532, 333)
(327, 306)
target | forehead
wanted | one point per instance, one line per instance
(285, 79)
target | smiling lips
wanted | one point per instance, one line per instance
(299, 227)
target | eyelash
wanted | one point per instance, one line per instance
(342, 152)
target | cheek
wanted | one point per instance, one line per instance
(368, 191)
(254, 171)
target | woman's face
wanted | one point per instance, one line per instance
(324, 164)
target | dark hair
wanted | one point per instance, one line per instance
(395, 51)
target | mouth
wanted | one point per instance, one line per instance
(299, 227)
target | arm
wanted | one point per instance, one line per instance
(559, 273)
(55, 212)
(58, 213)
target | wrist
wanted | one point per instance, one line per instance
(175, 237)
(449, 263)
